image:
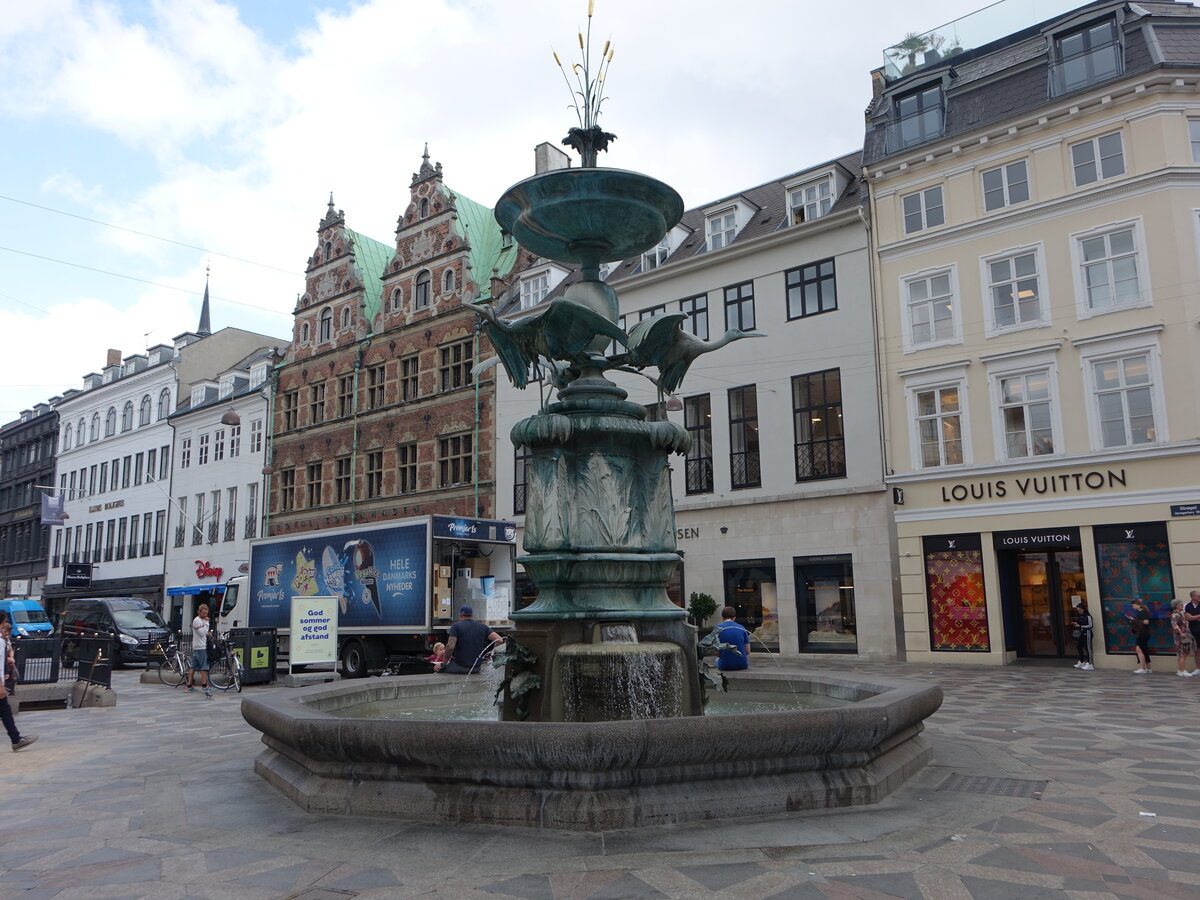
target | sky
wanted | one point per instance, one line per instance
(145, 142)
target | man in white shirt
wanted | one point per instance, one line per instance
(200, 628)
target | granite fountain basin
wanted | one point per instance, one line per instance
(592, 776)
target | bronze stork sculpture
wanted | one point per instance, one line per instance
(660, 341)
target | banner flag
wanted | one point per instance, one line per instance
(52, 510)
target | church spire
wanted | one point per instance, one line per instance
(205, 328)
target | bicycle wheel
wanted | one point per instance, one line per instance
(220, 675)
(170, 673)
(237, 674)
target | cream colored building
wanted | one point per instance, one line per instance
(781, 506)
(1035, 203)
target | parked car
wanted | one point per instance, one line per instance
(26, 616)
(133, 623)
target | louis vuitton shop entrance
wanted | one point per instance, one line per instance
(1042, 584)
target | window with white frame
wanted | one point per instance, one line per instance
(1194, 137)
(721, 229)
(938, 414)
(1124, 399)
(534, 289)
(924, 209)
(1110, 276)
(932, 315)
(1005, 185)
(1025, 405)
(1098, 158)
(1013, 289)
(656, 256)
(810, 201)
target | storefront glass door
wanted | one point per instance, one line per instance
(1050, 586)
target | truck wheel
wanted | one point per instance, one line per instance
(354, 660)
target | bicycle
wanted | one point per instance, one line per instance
(225, 671)
(174, 667)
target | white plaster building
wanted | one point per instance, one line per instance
(781, 507)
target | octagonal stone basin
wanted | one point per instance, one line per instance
(593, 776)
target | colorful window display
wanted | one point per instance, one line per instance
(954, 586)
(1134, 561)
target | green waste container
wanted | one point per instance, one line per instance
(255, 647)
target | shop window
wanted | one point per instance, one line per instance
(825, 617)
(954, 591)
(750, 589)
(1134, 561)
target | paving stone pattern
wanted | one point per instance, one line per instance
(156, 797)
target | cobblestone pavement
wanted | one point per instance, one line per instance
(156, 797)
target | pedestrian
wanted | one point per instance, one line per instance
(6, 713)
(1139, 624)
(10, 665)
(1183, 638)
(730, 631)
(1083, 636)
(199, 664)
(469, 640)
(1191, 612)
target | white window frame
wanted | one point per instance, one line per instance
(1145, 293)
(657, 255)
(1194, 138)
(1005, 185)
(937, 378)
(806, 202)
(1096, 159)
(722, 224)
(534, 288)
(1009, 365)
(925, 206)
(991, 327)
(1142, 341)
(910, 346)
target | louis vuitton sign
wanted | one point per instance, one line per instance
(1027, 486)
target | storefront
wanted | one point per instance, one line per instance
(992, 578)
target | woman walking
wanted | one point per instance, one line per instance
(1183, 638)
(1083, 636)
(1139, 624)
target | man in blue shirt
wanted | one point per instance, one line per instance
(730, 632)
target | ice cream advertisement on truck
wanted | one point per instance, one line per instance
(380, 576)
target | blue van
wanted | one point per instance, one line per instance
(26, 615)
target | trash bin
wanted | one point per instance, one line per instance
(255, 647)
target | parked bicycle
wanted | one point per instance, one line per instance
(174, 667)
(225, 668)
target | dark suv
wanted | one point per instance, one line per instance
(133, 624)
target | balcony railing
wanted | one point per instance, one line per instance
(821, 459)
(230, 529)
(917, 128)
(214, 531)
(1085, 69)
(745, 469)
(197, 536)
(251, 525)
(699, 475)
(519, 495)
(180, 535)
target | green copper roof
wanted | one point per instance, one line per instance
(372, 258)
(478, 226)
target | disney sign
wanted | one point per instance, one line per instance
(204, 570)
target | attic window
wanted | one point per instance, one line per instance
(656, 256)
(722, 228)
(917, 117)
(328, 250)
(424, 208)
(1085, 56)
(810, 201)
(506, 240)
(534, 289)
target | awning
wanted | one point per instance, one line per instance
(196, 589)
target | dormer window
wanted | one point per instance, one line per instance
(226, 387)
(721, 228)
(917, 117)
(656, 256)
(1085, 56)
(534, 289)
(810, 201)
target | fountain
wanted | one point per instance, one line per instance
(602, 721)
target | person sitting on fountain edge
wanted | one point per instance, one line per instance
(469, 640)
(730, 632)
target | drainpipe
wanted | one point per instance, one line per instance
(475, 439)
(358, 356)
(269, 427)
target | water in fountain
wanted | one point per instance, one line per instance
(618, 677)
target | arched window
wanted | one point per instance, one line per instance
(68, 434)
(424, 207)
(346, 317)
(304, 333)
(326, 332)
(164, 404)
(127, 416)
(94, 433)
(80, 433)
(110, 422)
(421, 293)
(144, 411)
(448, 281)
(328, 250)
(397, 298)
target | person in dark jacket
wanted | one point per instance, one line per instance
(1139, 624)
(1083, 636)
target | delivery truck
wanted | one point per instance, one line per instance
(399, 584)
